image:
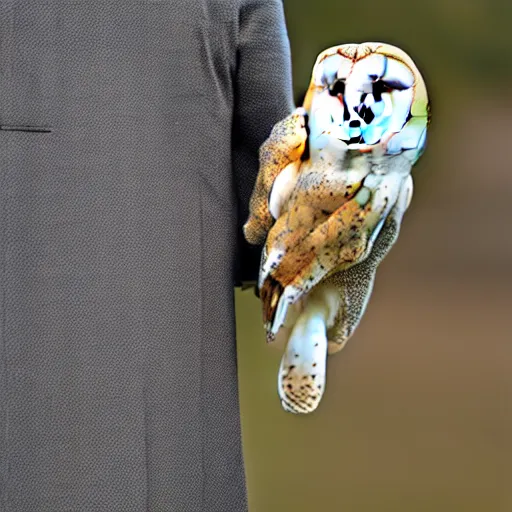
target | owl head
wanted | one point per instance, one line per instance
(365, 95)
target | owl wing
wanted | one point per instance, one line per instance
(355, 284)
(279, 157)
(344, 239)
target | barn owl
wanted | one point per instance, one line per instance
(333, 185)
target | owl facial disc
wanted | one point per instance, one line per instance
(368, 94)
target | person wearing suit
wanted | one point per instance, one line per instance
(129, 134)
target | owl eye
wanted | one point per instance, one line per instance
(338, 87)
(379, 87)
(396, 85)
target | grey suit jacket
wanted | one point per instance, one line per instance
(129, 132)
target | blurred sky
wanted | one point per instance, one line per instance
(417, 413)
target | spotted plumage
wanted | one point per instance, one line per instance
(283, 149)
(333, 186)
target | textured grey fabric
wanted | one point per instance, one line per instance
(118, 246)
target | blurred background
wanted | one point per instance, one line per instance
(417, 413)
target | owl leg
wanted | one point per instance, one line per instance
(301, 380)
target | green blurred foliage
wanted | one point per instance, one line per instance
(454, 42)
(417, 412)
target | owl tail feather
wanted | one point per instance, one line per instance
(301, 380)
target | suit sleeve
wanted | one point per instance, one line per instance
(263, 96)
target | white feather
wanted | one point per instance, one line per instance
(282, 188)
(301, 380)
